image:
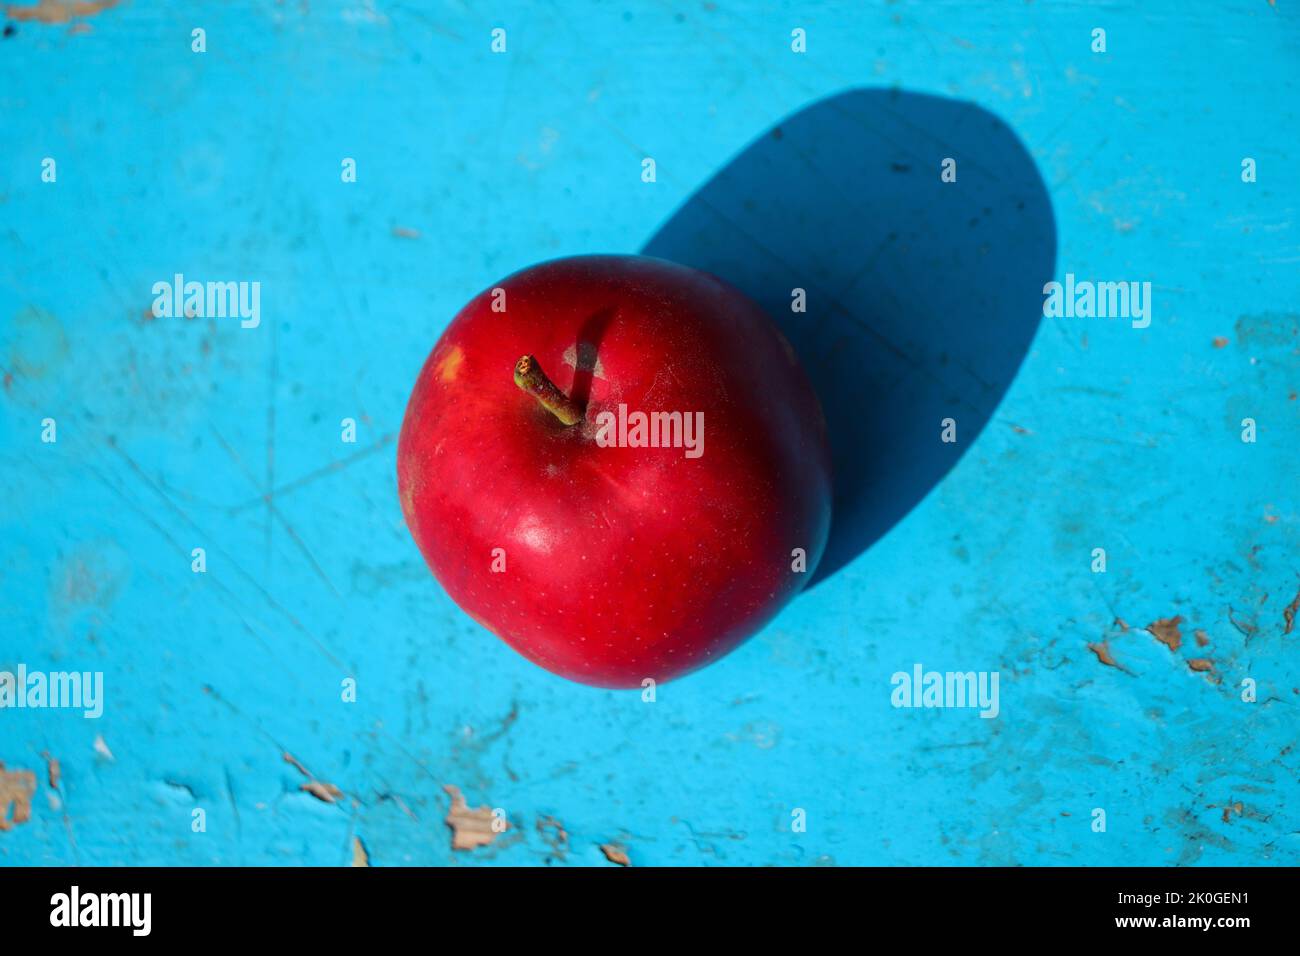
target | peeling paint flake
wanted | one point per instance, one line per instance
(1289, 613)
(1102, 650)
(1167, 633)
(469, 828)
(58, 11)
(321, 790)
(53, 771)
(325, 792)
(616, 853)
(359, 855)
(17, 787)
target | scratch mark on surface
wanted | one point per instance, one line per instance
(215, 695)
(401, 804)
(312, 476)
(234, 806)
(234, 456)
(276, 513)
(269, 493)
(1245, 627)
(302, 546)
(227, 598)
(297, 764)
(254, 582)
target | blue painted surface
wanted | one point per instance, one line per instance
(175, 434)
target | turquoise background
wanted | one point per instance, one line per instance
(175, 434)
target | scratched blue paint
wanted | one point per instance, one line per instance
(175, 434)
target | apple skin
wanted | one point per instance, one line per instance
(621, 564)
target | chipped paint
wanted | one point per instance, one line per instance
(324, 792)
(616, 853)
(359, 855)
(469, 828)
(16, 790)
(53, 770)
(1289, 614)
(57, 11)
(1167, 633)
(320, 789)
(1102, 650)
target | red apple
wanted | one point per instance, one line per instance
(612, 564)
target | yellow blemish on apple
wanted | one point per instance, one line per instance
(449, 367)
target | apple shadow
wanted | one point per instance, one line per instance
(585, 352)
(922, 296)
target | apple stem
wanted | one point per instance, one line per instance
(530, 377)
